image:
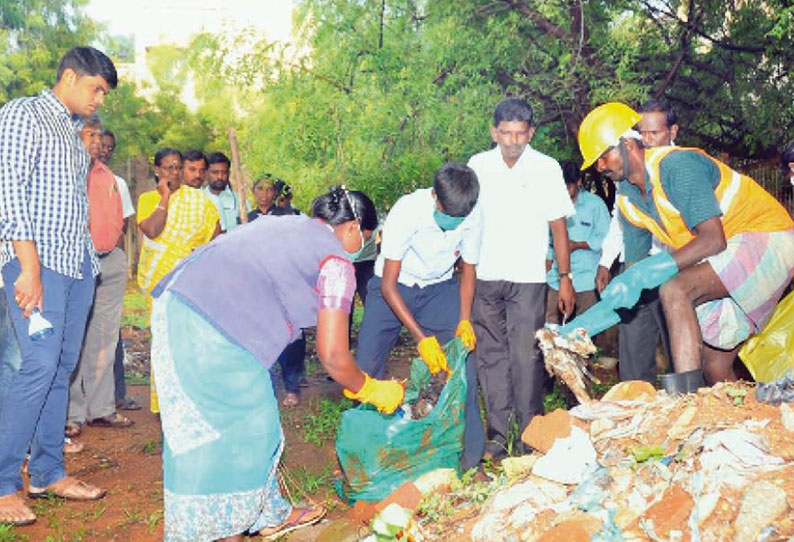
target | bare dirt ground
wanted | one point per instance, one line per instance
(127, 462)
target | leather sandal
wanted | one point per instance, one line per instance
(14, 511)
(298, 519)
(113, 420)
(68, 488)
(73, 429)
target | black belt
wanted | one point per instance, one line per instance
(103, 254)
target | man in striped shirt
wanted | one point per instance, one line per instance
(49, 265)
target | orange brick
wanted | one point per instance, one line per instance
(542, 431)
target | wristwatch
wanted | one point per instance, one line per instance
(567, 274)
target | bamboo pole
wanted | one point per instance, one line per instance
(236, 177)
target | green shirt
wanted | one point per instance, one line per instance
(689, 179)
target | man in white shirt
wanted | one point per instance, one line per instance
(523, 196)
(641, 327)
(424, 236)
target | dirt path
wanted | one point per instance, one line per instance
(127, 462)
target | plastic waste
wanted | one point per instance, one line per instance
(378, 453)
(38, 326)
(569, 460)
(777, 391)
(770, 353)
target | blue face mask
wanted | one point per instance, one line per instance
(354, 256)
(447, 222)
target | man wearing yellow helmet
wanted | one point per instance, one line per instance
(730, 244)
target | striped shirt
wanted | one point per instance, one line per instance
(43, 173)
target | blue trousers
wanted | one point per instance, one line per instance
(34, 409)
(436, 309)
(10, 357)
(293, 365)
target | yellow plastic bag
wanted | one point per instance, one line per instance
(770, 353)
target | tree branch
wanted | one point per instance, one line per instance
(702, 33)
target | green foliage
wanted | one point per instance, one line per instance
(8, 533)
(377, 94)
(34, 35)
(556, 399)
(135, 312)
(321, 423)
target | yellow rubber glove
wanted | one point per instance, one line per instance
(385, 395)
(433, 355)
(466, 334)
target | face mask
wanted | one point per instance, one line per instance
(353, 256)
(447, 222)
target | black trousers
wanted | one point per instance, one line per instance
(638, 336)
(510, 368)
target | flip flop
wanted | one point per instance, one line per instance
(68, 488)
(73, 429)
(305, 518)
(113, 420)
(291, 400)
(28, 516)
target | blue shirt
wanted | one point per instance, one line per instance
(589, 224)
(228, 207)
(43, 176)
(689, 179)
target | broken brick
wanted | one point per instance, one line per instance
(542, 431)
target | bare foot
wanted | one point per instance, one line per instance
(13, 510)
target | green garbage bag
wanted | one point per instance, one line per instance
(378, 453)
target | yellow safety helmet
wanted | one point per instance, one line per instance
(602, 128)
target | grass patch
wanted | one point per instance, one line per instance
(135, 312)
(8, 533)
(321, 423)
(152, 447)
(302, 484)
(135, 379)
(556, 399)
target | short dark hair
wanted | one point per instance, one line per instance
(661, 106)
(513, 109)
(340, 205)
(218, 158)
(89, 61)
(570, 172)
(92, 121)
(787, 156)
(194, 155)
(110, 134)
(457, 188)
(265, 178)
(164, 153)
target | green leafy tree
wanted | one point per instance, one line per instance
(34, 35)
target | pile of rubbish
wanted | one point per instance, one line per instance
(638, 465)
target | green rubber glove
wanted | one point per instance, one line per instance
(624, 291)
(594, 320)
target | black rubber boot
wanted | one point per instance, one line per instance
(687, 382)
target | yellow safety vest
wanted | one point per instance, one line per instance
(745, 205)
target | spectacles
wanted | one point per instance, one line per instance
(172, 169)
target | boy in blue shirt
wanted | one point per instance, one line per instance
(587, 229)
(424, 236)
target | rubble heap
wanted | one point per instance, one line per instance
(711, 466)
(638, 465)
